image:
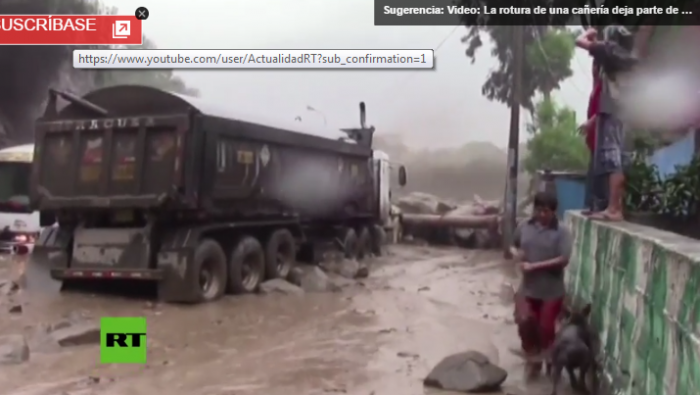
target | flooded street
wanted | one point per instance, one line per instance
(381, 336)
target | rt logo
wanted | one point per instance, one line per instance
(123, 340)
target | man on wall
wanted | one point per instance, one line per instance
(596, 194)
(614, 55)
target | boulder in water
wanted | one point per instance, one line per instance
(13, 350)
(469, 371)
(281, 286)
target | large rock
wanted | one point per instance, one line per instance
(281, 286)
(41, 341)
(314, 280)
(13, 350)
(348, 268)
(469, 371)
(295, 276)
(77, 334)
(8, 287)
(362, 271)
(475, 238)
(338, 282)
(423, 203)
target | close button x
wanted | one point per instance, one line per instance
(142, 13)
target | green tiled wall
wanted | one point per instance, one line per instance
(644, 285)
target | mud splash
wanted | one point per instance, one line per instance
(419, 305)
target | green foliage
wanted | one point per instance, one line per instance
(643, 142)
(546, 66)
(550, 59)
(642, 184)
(555, 143)
(680, 195)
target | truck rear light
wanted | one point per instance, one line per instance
(20, 249)
(25, 238)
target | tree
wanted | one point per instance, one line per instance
(550, 59)
(548, 51)
(554, 142)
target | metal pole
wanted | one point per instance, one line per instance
(510, 199)
(312, 109)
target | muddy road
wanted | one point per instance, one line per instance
(379, 336)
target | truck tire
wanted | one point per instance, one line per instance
(246, 268)
(350, 244)
(209, 275)
(280, 254)
(364, 243)
(378, 239)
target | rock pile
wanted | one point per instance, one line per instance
(75, 331)
(331, 276)
(473, 224)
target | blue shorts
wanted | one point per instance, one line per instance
(609, 155)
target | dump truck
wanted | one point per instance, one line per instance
(145, 184)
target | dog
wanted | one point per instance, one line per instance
(574, 349)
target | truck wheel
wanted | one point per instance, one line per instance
(280, 254)
(246, 268)
(364, 243)
(378, 239)
(209, 274)
(350, 244)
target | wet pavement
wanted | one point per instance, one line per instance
(379, 337)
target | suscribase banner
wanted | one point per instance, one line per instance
(70, 30)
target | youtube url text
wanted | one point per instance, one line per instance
(254, 59)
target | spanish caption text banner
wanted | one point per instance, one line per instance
(536, 12)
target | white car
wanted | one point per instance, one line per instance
(19, 225)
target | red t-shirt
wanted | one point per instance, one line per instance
(593, 106)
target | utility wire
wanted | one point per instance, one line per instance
(402, 82)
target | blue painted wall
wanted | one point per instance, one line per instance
(679, 153)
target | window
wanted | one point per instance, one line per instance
(14, 186)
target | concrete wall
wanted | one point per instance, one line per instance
(644, 285)
(679, 153)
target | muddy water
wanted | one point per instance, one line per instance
(382, 337)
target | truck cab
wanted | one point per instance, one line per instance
(19, 223)
(383, 175)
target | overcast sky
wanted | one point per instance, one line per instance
(431, 108)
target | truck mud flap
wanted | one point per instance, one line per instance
(48, 253)
(175, 263)
(174, 285)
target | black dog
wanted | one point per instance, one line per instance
(574, 348)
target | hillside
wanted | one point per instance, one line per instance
(474, 168)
